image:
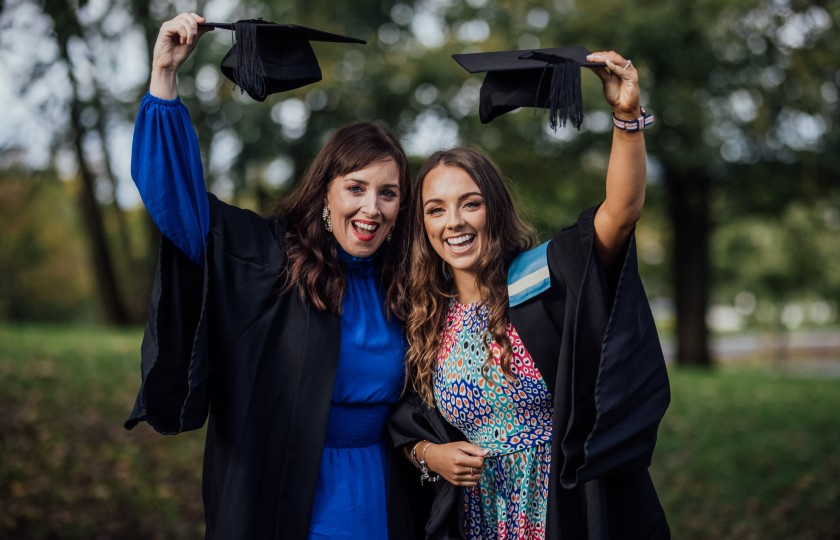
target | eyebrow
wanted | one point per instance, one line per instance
(461, 198)
(365, 182)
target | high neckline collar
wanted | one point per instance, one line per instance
(351, 261)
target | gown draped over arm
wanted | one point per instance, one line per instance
(616, 384)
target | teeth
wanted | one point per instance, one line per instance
(460, 239)
(365, 226)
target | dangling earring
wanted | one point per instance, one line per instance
(325, 215)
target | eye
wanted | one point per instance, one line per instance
(389, 193)
(355, 189)
(473, 204)
(434, 210)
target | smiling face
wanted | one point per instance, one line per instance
(455, 219)
(363, 206)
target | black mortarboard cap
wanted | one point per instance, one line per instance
(542, 78)
(267, 57)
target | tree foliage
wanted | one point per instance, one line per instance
(745, 93)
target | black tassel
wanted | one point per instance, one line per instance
(565, 101)
(249, 73)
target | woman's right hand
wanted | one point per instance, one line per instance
(175, 42)
(459, 463)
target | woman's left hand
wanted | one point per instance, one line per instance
(621, 83)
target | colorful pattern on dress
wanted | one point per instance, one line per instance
(512, 419)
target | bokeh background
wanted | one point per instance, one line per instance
(739, 245)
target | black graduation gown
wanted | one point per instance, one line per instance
(221, 339)
(593, 339)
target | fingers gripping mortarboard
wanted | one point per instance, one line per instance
(541, 78)
(267, 57)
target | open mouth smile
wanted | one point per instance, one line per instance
(462, 243)
(365, 231)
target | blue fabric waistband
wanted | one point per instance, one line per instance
(356, 426)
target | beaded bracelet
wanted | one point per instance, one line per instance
(425, 473)
(631, 126)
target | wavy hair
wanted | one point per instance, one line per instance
(313, 266)
(429, 284)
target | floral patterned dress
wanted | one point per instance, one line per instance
(510, 418)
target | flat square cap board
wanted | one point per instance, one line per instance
(267, 57)
(542, 78)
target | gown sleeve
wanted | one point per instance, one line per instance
(174, 391)
(617, 381)
(166, 167)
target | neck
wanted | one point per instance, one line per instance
(466, 289)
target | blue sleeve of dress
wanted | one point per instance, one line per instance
(166, 167)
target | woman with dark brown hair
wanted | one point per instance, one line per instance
(284, 331)
(537, 378)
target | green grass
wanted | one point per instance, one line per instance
(742, 453)
(750, 454)
(68, 469)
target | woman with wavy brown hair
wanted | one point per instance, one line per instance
(507, 235)
(283, 331)
(536, 378)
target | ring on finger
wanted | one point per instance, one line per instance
(628, 65)
(472, 472)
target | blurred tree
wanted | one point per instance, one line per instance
(67, 28)
(762, 263)
(70, 83)
(734, 139)
(745, 94)
(41, 250)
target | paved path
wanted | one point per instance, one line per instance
(810, 351)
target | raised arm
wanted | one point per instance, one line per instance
(627, 170)
(175, 42)
(165, 158)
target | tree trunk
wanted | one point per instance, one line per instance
(106, 282)
(688, 198)
(66, 26)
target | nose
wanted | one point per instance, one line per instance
(370, 205)
(454, 220)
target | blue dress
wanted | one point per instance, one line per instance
(350, 500)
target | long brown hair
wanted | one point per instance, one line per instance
(430, 288)
(313, 266)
